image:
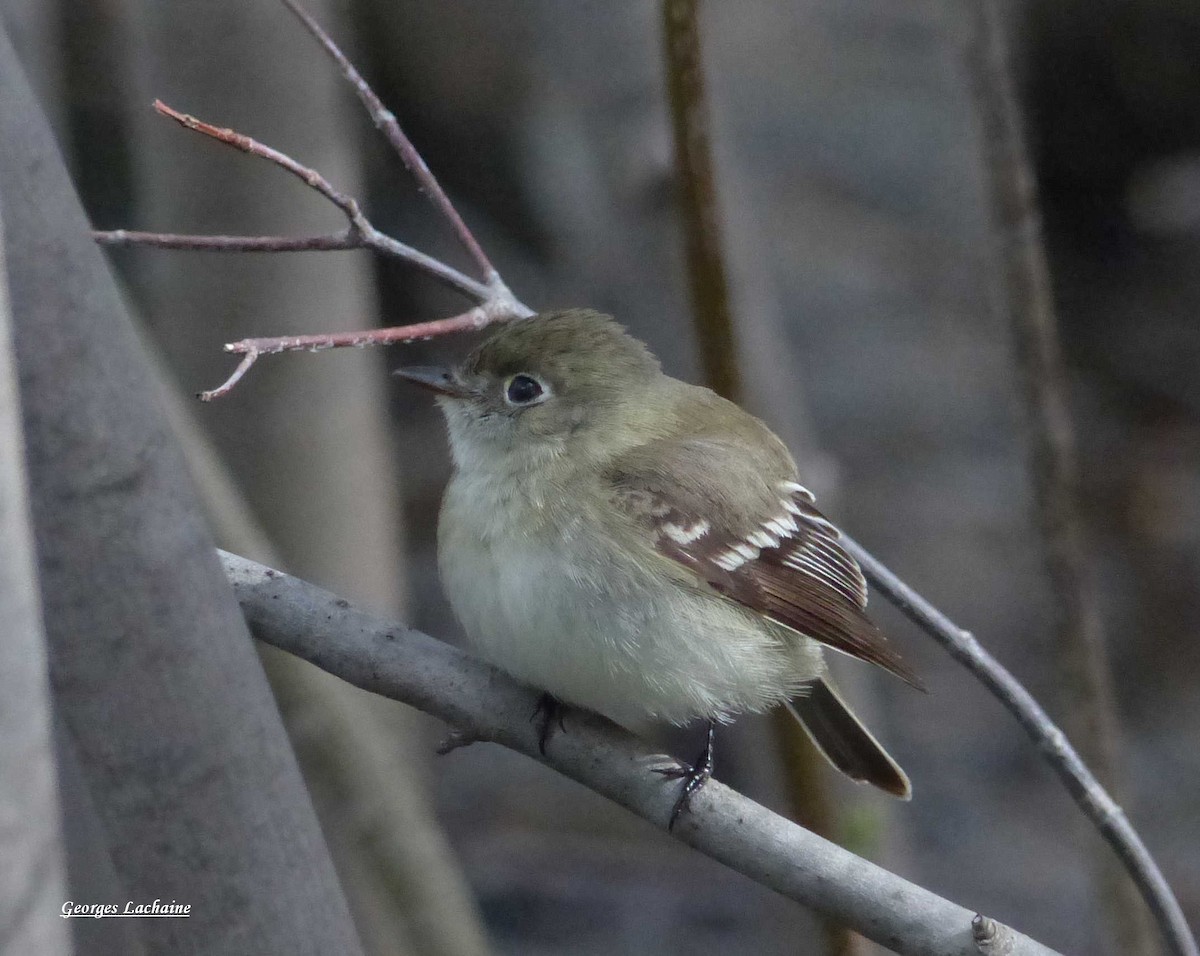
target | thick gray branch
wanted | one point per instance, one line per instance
(388, 658)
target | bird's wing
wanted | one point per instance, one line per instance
(739, 520)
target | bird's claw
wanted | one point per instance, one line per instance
(693, 777)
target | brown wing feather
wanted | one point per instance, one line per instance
(784, 562)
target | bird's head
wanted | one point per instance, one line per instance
(560, 383)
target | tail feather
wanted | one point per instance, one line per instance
(845, 742)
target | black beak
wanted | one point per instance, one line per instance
(435, 378)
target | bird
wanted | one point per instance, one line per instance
(640, 547)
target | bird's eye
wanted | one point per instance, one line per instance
(523, 389)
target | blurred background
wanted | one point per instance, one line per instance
(865, 297)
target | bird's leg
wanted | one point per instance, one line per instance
(694, 777)
(549, 709)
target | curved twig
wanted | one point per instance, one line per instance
(1089, 795)
(1026, 300)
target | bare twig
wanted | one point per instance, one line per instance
(476, 318)
(496, 301)
(310, 177)
(1027, 301)
(387, 658)
(332, 242)
(497, 304)
(360, 234)
(385, 120)
(1090, 796)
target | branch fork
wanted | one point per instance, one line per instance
(494, 300)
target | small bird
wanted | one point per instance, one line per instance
(643, 548)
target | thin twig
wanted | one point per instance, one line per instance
(1027, 301)
(331, 242)
(371, 239)
(360, 235)
(310, 177)
(497, 303)
(1087, 791)
(385, 120)
(387, 658)
(476, 318)
(226, 387)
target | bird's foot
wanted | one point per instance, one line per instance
(693, 777)
(549, 710)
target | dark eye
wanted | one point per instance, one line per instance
(523, 389)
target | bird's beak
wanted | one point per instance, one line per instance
(436, 378)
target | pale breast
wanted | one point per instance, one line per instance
(567, 612)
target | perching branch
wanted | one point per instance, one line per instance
(1083, 786)
(388, 658)
(496, 302)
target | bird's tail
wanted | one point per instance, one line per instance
(845, 742)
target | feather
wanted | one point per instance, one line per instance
(748, 530)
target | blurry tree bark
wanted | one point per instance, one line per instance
(91, 873)
(32, 883)
(177, 737)
(1027, 299)
(314, 458)
(713, 318)
(33, 26)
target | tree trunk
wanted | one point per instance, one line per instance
(178, 740)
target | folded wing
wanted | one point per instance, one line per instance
(743, 524)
